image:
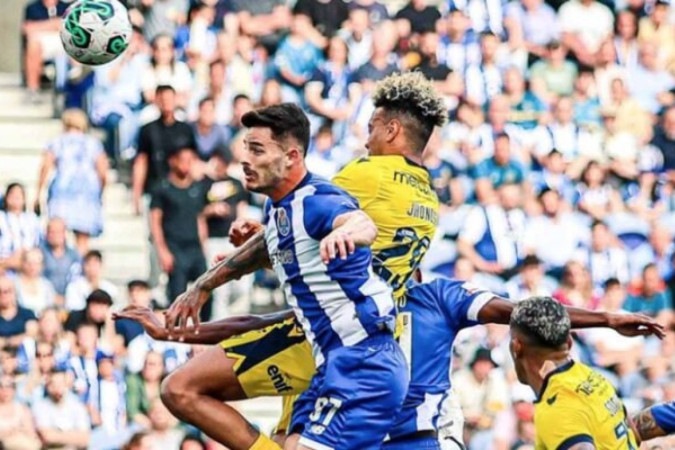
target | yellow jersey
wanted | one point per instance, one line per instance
(398, 196)
(578, 405)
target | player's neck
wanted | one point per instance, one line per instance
(288, 184)
(398, 150)
(541, 368)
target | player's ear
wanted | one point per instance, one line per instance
(570, 342)
(393, 129)
(294, 154)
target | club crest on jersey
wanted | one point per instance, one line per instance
(283, 224)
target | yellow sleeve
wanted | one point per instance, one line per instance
(562, 422)
(361, 179)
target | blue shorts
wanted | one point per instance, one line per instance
(354, 397)
(426, 443)
(664, 416)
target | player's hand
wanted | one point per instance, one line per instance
(146, 318)
(337, 243)
(636, 325)
(166, 261)
(185, 307)
(241, 230)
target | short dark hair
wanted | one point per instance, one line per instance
(543, 321)
(240, 97)
(284, 120)
(99, 296)
(413, 98)
(135, 284)
(206, 99)
(164, 88)
(93, 254)
(611, 283)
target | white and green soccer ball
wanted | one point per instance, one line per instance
(95, 32)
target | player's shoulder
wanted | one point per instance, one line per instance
(322, 187)
(564, 387)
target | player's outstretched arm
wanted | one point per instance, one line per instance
(646, 427)
(498, 310)
(350, 230)
(209, 332)
(251, 256)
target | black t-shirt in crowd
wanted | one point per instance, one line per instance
(230, 191)
(157, 140)
(420, 21)
(327, 16)
(180, 209)
(667, 147)
(433, 70)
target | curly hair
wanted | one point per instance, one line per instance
(543, 321)
(410, 95)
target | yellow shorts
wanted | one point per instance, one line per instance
(275, 361)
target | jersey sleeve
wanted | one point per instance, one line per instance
(563, 422)
(664, 416)
(358, 178)
(461, 302)
(320, 211)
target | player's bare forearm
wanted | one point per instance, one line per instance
(251, 256)
(497, 310)
(585, 318)
(358, 226)
(211, 333)
(645, 426)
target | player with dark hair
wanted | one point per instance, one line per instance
(576, 408)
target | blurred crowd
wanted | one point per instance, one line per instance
(556, 175)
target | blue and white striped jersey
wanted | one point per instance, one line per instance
(339, 304)
(433, 314)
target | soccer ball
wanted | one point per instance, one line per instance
(95, 32)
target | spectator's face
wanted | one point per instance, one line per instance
(49, 324)
(140, 296)
(217, 76)
(499, 111)
(56, 233)
(337, 51)
(57, 386)
(7, 389)
(648, 56)
(594, 175)
(651, 280)
(239, 108)
(659, 13)
(557, 54)
(300, 24)
(32, 264)
(660, 239)
(44, 355)
(626, 26)
(15, 200)
(359, 20)
(600, 237)
(606, 52)
(191, 445)
(481, 369)
(207, 113)
(7, 293)
(166, 102)
(162, 51)
(614, 298)
(92, 268)
(531, 274)
(181, 163)
(271, 94)
(502, 150)
(513, 81)
(98, 312)
(584, 82)
(87, 338)
(488, 47)
(564, 110)
(429, 44)
(457, 23)
(510, 196)
(106, 368)
(550, 202)
(9, 363)
(265, 161)
(555, 163)
(153, 369)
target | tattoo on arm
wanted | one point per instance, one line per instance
(646, 426)
(246, 259)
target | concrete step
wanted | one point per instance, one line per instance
(14, 104)
(24, 136)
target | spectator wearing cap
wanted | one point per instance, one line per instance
(483, 395)
(60, 417)
(95, 312)
(16, 322)
(557, 73)
(530, 281)
(91, 279)
(155, 141)
(227, 200)
(554, 220)
(139, 295)
(178, 225)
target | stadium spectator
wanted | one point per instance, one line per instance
(417, 17)
(164, 431)
(500, 169)
(143, 389)
(19, 228)
(80, 169)
(61, 263)
(139, 294)
(40, 29)
(33, 290)
(61, 418)
(327, 17)
(209, 134)
(178, 225)
(16, 428)
(265, 19)
(95, 312)
(625, 40)
(664, 140)
(651, 296)
(576, 287)
(530, 280)
(91, 279)
(160, 16)
(156, 140)
(16, 322)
